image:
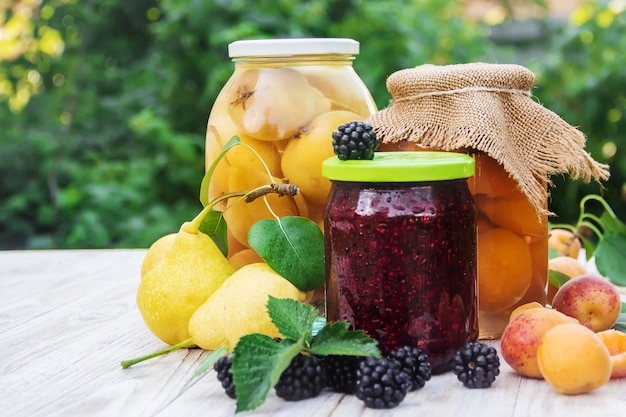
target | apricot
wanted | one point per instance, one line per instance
(615, 342)
(491, 179)
(565, 242)
(504, 269)
(263, 105)
(401, 146)
(568, 266)
(302, 160)
(591, 299)
(573, 359)
(524, 307)
(516, 214)
(521, 337)
(483, 223)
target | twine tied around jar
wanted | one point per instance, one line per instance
(489, 108)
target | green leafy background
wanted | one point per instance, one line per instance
(103, 112)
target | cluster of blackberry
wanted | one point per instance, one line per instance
(355, 140)
(380, 383)
(476, 365)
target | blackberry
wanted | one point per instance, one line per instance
(476, 365)
(355, 140)
(381, 383)
(305, 377)
(415, 363)
(225, 376)
(341, 372)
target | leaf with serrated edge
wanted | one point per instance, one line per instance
(336, 339)
(293, 319)
(293, 246)
(258, 362)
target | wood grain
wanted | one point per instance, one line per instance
(67, 319)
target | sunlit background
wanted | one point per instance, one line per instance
(103, 104)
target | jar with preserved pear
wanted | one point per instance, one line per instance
(283, 100)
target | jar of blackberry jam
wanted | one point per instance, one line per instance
(400, 238)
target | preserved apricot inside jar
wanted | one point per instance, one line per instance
(283, 100)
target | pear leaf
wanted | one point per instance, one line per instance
(336, 339)
(293, 319)
(215, 227)
(611, 258)
(258, 362)
(293, 246)
(204, 185)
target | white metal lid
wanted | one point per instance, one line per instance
(292, 46)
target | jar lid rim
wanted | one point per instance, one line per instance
(292, 46)
(402, 166)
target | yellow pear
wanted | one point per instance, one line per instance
(239, 307)
(175, 287)
(157, 252)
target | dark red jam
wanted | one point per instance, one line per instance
(401, 264)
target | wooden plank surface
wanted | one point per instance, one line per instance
(67, 319)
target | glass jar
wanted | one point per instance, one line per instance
(512, 246)
(400, 239)
(284, 99)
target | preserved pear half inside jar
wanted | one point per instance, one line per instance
(283, 100)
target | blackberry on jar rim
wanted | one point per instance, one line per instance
(400, 241)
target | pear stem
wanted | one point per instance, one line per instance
(130, 362)
(275, 188)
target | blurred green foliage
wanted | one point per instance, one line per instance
(109, 150)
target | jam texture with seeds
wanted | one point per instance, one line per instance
(401, 264)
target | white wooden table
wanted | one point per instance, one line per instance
(67, 319)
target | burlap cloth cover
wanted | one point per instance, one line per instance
(486, 107)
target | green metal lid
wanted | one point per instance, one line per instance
(401, 167)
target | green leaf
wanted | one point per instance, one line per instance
(293, 319)
(557, 278)
(258, 362)
(294, 247)
(215, 227)
(611, 258)
(336, 339)
(553, 253)
(590, 248)
(612, 223)
(206, 365)
(204, 186)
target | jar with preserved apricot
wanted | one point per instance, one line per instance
(283, 100)
(512, 246)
